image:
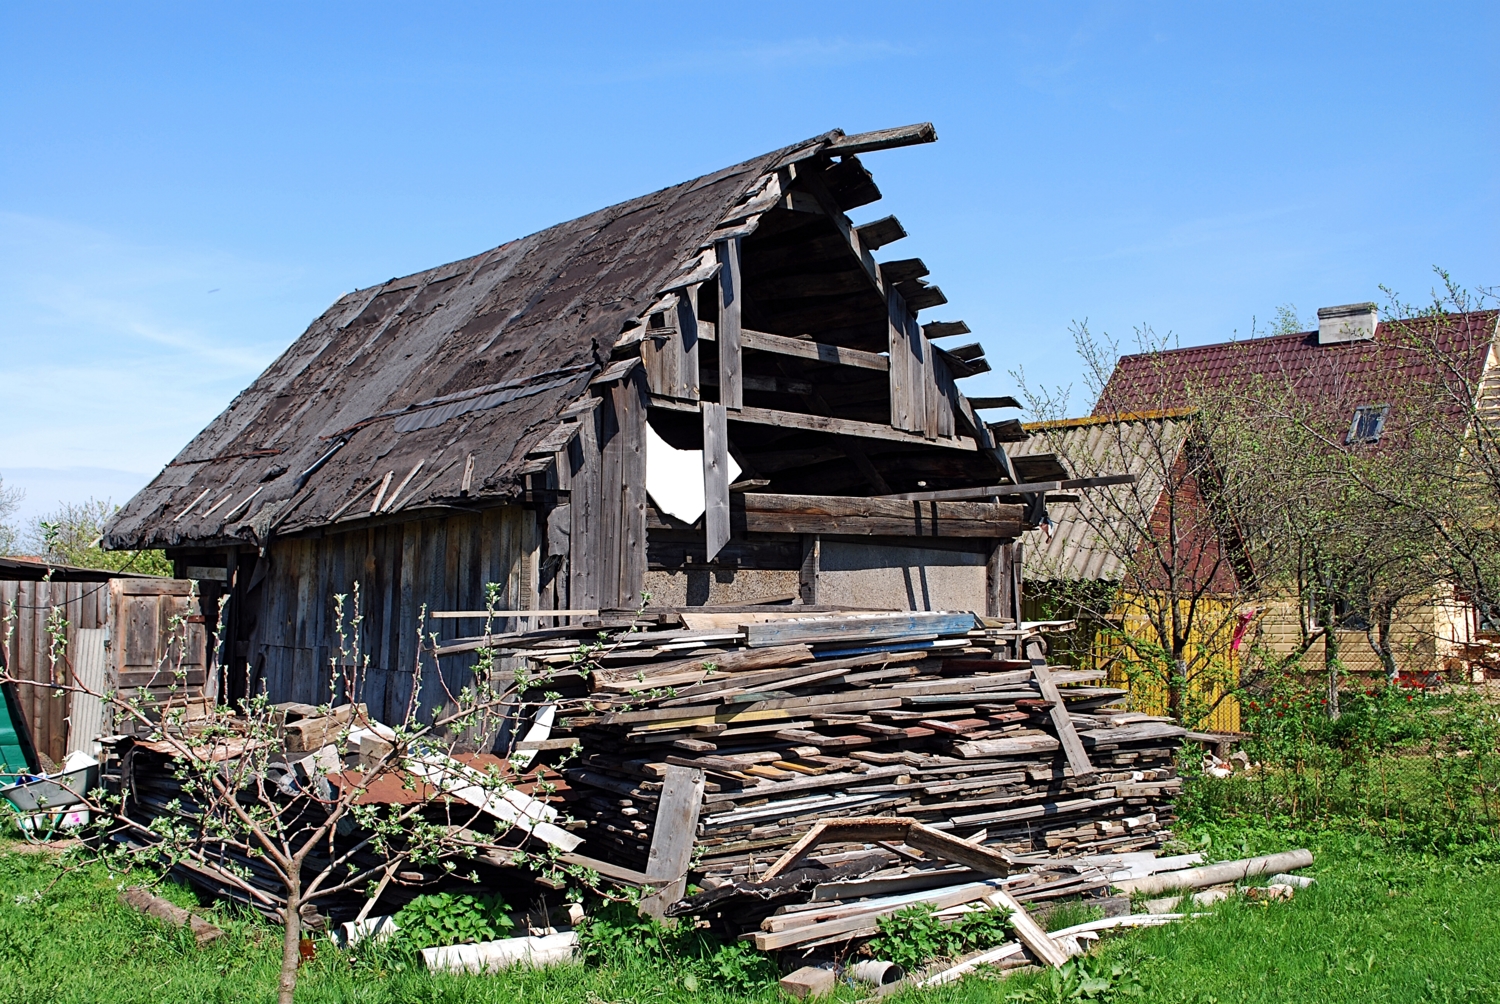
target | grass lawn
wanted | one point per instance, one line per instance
(1380, 925)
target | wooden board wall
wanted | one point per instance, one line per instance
(607, 509)
(85, 605)
(444, 563)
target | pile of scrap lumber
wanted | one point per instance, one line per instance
(721, 745)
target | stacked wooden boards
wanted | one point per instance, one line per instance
(921, 715)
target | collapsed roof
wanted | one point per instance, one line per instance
(444, 381)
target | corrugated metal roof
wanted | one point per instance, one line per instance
(1092, 539)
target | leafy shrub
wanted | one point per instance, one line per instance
(912, 936)
(445, 919)
(617, 935)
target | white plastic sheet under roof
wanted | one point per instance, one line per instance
(1092, 545)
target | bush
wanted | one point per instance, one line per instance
(1407, 763)
(616, 935)
(446, 919)
(914, 936)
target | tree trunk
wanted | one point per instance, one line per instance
(1331, 659)
(1177, 688)
(291, 944)
(1383, 642)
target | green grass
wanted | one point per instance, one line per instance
(1382, 924)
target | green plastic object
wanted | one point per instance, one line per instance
(13, 760)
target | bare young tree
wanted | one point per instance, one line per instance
(1160, 560)
(302, 802)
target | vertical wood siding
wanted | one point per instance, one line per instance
(442, 564)
(27, 605)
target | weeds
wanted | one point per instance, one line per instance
(445, 919)
(915, 935)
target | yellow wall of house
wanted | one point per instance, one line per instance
(1425, 632)
(1213, 669)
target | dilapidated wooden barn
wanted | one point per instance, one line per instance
(713, 394)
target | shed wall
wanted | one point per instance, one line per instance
(439, 564)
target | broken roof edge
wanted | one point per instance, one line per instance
(148, 519)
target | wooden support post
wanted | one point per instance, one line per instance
(902, 378)
(715, 476)
(807, 578)
(1078, 759)
(731, 301)
(673, 836)
(687, 332)
(997, 580)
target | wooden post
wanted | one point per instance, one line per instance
(715, 475)
(997, 580)
(807, 578)
(731, 381)
(687, 333)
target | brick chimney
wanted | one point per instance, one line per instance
(1353, 322)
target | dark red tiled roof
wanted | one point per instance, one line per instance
(1403, 363)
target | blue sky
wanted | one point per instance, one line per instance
(183, 188)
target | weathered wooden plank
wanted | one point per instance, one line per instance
(673, 835)
(731, 303)
(1062, 722)
(1024, 488)
(856, 628)
(715, 476)
(585, 543)
(901, 375)
(854, 515)
(761, 341)
(883, 139)
(807, 574)
(631, 402)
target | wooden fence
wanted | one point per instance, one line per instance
(27, 651)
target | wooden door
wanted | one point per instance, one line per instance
(158, 647)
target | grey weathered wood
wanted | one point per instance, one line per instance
(631, 398)
(879, 233)
(807, 575)
(731, 302)
(854, 629)
(901, 377)
(673, 835)
(585, 545)
(765, 512)
(883, 139)
(837, 426)
(715, 477)
(1062, 722)
(761, 341)
(997, 580)
(1028, 931)
(687, 338)
(1005, 401)
(1024, 488)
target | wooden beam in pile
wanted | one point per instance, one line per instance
(1062, 721)
(838, 514)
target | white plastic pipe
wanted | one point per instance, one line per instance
(492, 956)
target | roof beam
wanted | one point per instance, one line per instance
(884, 139)
(781, 345)
(991, 491)
(823, 423)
